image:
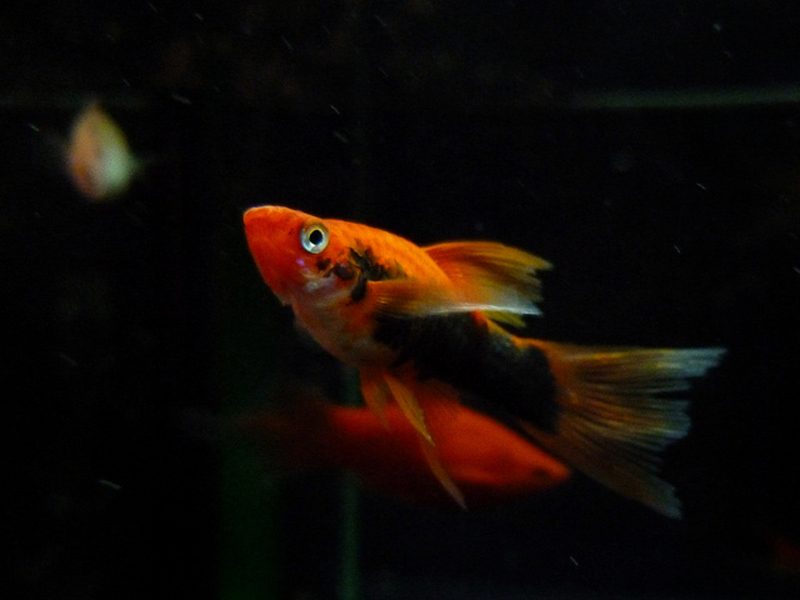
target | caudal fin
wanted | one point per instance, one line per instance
(618, 412)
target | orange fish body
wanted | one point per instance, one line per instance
(389, 460)
(423, 327)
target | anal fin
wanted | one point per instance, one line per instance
(376, 394)
(411, 395)
(408, 403)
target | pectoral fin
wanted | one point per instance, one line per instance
(411, 298)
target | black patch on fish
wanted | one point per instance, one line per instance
(462, 351)
(343, 271)
(369, 270)
(363, 266)
(359, 290)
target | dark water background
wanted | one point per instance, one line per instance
(132, 330)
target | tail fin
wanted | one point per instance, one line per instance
(613, 423)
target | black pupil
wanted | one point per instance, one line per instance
(315, 237)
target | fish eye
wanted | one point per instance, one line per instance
(314, 238)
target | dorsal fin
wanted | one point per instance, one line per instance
(493, 277)
(485, 276)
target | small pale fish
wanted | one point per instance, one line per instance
(99, 160)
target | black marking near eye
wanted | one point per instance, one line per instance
(370, 270)
(359, 291)
(363, 266)
(369, 265)
(462, 350)
(344, 271)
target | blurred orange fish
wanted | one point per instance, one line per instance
(99, 160)
(423, 326)
(486, 460)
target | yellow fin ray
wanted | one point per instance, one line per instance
(438, 469)
(408, 404)
(376, 394)
(380, 387)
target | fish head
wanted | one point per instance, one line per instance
(296, 253)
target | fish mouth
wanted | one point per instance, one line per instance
(267, 231)
(255, 228)
(253, 216)
(262, 226)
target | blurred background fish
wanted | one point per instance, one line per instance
(488, 461)
(99, 160)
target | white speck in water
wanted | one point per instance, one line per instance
(181, 99)
(33, 127)
(341, 137)
(717, 27)
(109, 484)
(574, 562)
(336, 110)
(68, 359)
(198, 16)
(796, 270)
(677, 248)
(287, 43)
(700, 185)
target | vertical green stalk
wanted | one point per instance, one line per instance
(249, 496)
(349, 571)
